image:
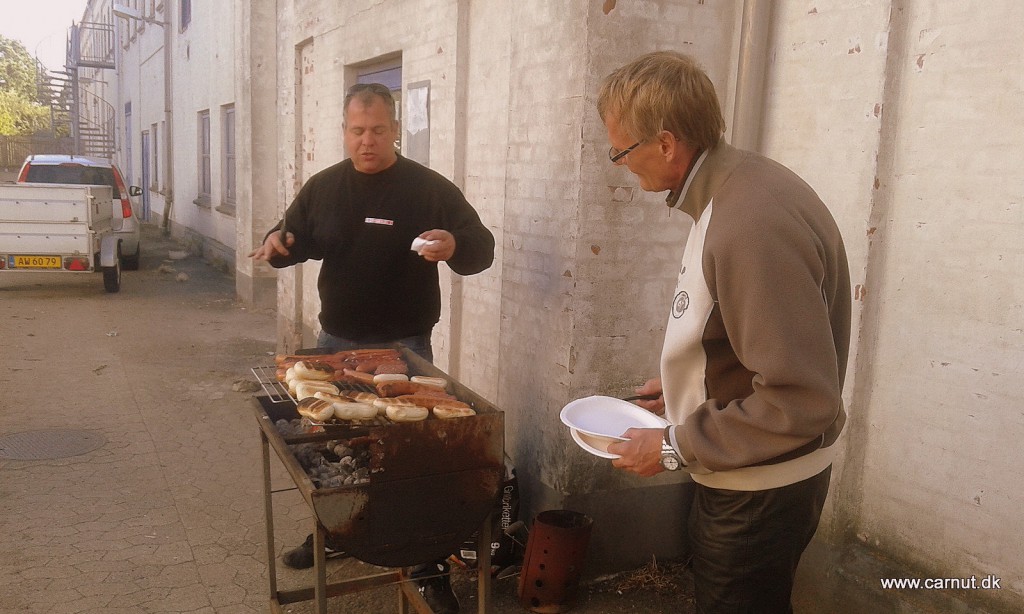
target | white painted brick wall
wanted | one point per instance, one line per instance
(928, 475)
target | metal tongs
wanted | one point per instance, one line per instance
(644, 397)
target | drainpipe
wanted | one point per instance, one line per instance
(750, 74)
(168, 117)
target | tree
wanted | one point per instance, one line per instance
(22, 112)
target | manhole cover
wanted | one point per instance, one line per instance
(42, 445)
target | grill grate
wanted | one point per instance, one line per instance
(277, 391)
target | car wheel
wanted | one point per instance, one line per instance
(131, 263)
(112, 274)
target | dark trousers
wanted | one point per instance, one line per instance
(746, 545)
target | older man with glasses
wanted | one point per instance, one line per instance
(756, 344)
(360, 217)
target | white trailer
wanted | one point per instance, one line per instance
(59, 228)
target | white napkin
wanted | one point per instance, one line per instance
(419, 243)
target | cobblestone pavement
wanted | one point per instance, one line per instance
(130, 473)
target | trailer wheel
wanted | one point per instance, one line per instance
(112, 274)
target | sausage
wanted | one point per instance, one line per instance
(395, 389)
(357, 377)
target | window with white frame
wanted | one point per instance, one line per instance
(228, 157)
(205, 187)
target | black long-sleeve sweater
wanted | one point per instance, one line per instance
(373, 287)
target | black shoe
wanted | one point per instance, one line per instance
(435, 584)
(302, 557)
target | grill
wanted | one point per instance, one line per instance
(431, 485)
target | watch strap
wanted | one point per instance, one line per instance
(668, 447)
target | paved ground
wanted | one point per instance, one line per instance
(165, 513)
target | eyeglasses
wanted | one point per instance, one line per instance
(615, 155)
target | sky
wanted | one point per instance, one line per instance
(42, 26)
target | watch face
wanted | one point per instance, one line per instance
(670, 461)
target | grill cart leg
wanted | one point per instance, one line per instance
(268, 510)
(483, 565)
(320, 565)
(409, 595)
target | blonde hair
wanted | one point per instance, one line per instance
(664, 90)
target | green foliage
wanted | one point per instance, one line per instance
(22, 117)
(21, 110)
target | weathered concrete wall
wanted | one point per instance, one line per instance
(256, 95)
(917, 105)
(485, 136)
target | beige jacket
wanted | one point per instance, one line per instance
(758, 334)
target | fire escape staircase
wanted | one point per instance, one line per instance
(86, 116)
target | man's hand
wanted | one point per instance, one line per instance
(652, 386)
(272, 246)
(442, 248)
(641, 454)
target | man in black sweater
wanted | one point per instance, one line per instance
(360, 217)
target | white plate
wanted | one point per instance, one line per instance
(607, 416)
(584, 440)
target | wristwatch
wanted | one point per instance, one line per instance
(670, 460)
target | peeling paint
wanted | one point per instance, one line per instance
(813, 11)
(859, 292)
(567, 273)
(609, 5)
(920, 61)
(854, 49)
(878, 109)
(596, 249)
(872, 230)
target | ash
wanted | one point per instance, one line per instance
(331, 464)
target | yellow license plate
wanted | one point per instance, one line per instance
(37, 262)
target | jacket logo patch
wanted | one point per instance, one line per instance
(680, 303)
(381, 221)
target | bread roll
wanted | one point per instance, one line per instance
(361, 397)
(331, 398)
(406, 413)
(382, 403)
(314, 370)
(446, 411)
(309, 388)
(440, 382)
(315, 409)
(354, 411)
(390, 377)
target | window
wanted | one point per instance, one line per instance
(205, 179)
(186, 14)
(154, 173)
(228, 129)
(387, 73)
